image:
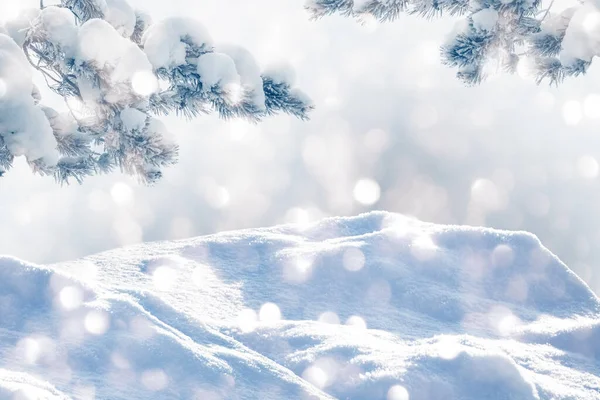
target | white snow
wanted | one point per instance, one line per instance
(133, 119)
(434, 312)
(582, 37)
(23, 125)
(485, 19)
(120, 15)
(217, 69)
(248, 70)
(281, 73)
(157, 128)
(21, 386)
(163, 41)
(359, 5)
(121, 59)
(555, 23)
(57, 24)
(62, 123)
(17, 27)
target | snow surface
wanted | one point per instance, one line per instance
(378, 306)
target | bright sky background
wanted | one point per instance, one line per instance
(393, 130)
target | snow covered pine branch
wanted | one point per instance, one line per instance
(116, 71)
(496, 35)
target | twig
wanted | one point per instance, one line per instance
(547, 11)
(49, 63)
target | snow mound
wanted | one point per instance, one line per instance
(378, 306)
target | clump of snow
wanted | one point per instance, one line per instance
(554, 24)
(281, 73)
(101, 46)
(120, 15)
(249, 72)
(217, 69)
(17, 28)
(133, 119)
(144, 83)
(582, 37)
(62, 123)
(485, 19)
(360, 5)
(164, 42)
(487, 315)
(57, 25)
(23, 125)
(495, 375)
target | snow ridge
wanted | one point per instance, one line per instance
(378, 306)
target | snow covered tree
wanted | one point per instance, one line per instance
(117, 71)
(495, 35)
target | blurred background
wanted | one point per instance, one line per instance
(393, 130)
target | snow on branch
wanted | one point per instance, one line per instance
(117, 71)
(496, 35)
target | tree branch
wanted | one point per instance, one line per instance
(547, 11)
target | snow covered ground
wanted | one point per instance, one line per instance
(377, 306)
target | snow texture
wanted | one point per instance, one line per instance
(378, 306)
(120, 15)
(133, 119)
(24, 129)
(281, 73)
(217, 69)
(249, 72)
(165, 41)
(582, 37)
(485, 19)
(17, 28)
(120, 59)
(58, 26)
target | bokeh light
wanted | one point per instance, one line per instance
(164, 278)
(572, 112)
(144, 83)
(315, 376)
(97, 322)
(269, 312)
(356, 321)
(71, 297)
(2, 88)
(398, 392)
(329, 317)
(247, 320)
(353, 259)
(155, 379)
(367, 191)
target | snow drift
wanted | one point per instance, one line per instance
(378, 306)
